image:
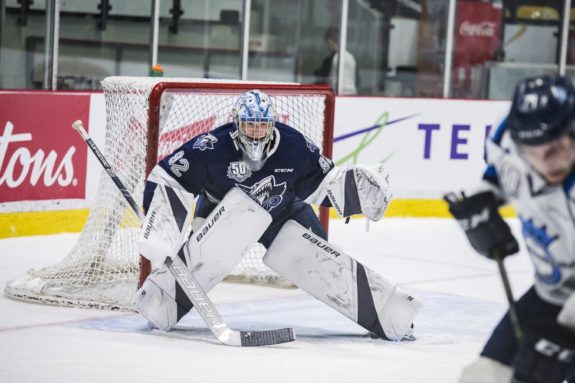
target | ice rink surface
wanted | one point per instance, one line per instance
(461, 292)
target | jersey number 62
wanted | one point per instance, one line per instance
(178, 165)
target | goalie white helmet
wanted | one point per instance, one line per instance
(254, 116)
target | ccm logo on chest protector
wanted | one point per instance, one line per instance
(321, 245)
(210, 224)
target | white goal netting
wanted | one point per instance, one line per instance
(146, 119)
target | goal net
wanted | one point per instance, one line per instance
(147, 119)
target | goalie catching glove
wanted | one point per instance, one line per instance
(487, 232)
(359, 189)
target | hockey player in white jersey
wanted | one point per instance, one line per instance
(530, 164)
(256, 157)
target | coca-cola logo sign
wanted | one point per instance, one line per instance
(40, 156)
(477, 34)
(479, 29)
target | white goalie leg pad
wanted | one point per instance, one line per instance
(341, 282)
(486, 370)
(357, 190)
(234, 225)
(211, 252)
(155, 300)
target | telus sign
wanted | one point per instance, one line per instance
(41, 157)
(459, 141)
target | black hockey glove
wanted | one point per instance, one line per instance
(487, 232)
(546, 354)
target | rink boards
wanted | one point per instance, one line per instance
(430, 147)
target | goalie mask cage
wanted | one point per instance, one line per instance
(146, 119)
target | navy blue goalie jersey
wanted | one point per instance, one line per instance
(212, 163)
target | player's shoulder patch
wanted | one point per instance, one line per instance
(205, 142)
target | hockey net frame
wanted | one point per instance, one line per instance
(235, 88)
(85, 287)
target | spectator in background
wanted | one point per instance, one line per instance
(327, 72)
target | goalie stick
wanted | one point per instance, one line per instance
(186, 280)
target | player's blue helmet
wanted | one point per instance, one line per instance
(254, 116)
(543, 109)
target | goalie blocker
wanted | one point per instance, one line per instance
(341, 282)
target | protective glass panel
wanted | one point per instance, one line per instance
(96, 42)
(22, 45)
(399, 46)
(287, 40)
(201, 39)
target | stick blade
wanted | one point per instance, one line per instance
(265, 338)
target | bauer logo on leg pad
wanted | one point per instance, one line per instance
(322, 245)
(207, 226)
(150, 224)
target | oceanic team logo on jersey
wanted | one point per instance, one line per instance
(538, 242)
(204, 142)
(239, 171)
(311, 145)
(266, 192)
(325, 164)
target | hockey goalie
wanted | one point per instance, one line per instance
(254, 180)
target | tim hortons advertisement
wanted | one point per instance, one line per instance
(41, 156)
